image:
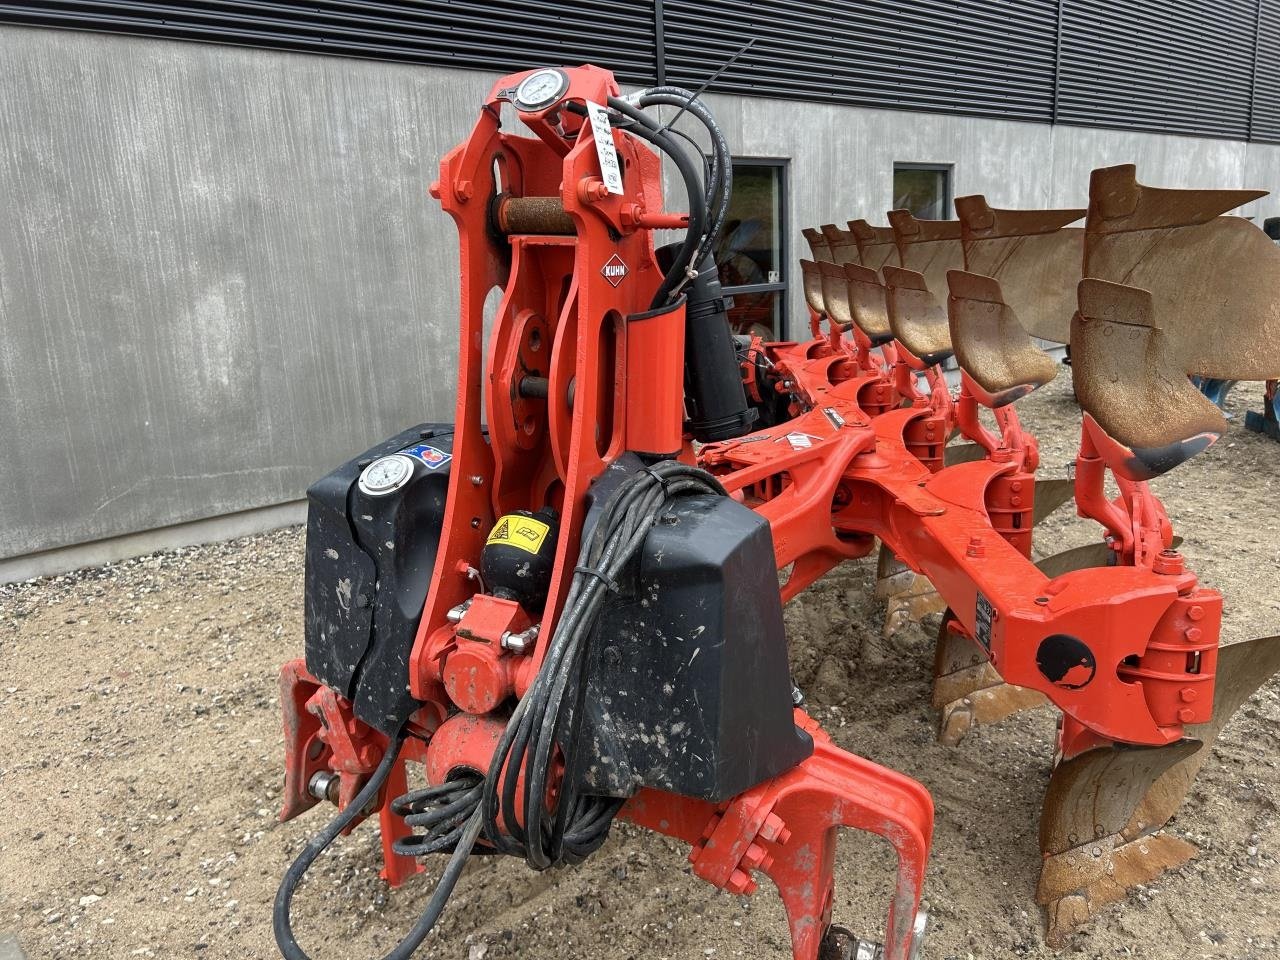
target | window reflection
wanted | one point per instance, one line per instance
(750, 250)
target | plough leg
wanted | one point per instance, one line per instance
(787, 827)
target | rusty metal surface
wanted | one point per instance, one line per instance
(918, 320)
(1099, 831)
(1077, 558)
(876, 245)
(1127, 374)
(990, 344)
(867, 303)
(1241, 669)
(1096, 879)
(1033, 253)
(1080, 558)
(1092, 797)
(1214, 280)
(842, 244)
(835, 292)
(811, 276)
(539, 215)
(929, 247)
(909, 596)
(963, 453)
(1050, 495)
(967, 689)
(818, 246)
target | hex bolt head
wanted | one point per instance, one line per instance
(774, 830)
(740, 884)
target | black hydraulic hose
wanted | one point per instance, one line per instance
(720, 180)
(280, 915)
(697, 148)
(655, 97)
(647, 129)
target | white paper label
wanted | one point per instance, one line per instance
(610, 172)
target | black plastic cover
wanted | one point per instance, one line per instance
(689, 687)
(369, 561)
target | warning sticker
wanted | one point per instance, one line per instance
(433, 457)
(516, 531)
(799, 441)
(833, 415)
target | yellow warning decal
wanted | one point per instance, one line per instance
(516, 531)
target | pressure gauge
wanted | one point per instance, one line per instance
(386, 475)
(540, 89)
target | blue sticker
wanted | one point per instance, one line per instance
(433, 457)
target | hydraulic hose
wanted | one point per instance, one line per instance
(281, 920)
(719, 188)
(647, 129)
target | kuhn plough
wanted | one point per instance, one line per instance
(565, 604)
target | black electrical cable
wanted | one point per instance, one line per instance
(706, 164)
(542, 737)
(442, 811)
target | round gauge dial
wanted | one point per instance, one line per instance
(540, 89)
(386, 475)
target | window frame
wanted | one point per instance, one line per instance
(783, 284)
(947, 169)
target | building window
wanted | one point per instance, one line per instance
(753, 267)
(924, 189)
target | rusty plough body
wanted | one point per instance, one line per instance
(564, 604)
(1030, 273)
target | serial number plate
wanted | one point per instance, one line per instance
(983, 617)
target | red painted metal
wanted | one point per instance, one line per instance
(861, 461)
(786, 829)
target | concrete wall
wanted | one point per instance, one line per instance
(220, 272)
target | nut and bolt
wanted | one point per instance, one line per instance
(774, 830)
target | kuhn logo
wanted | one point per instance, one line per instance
(614, 270)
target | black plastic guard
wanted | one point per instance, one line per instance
(369, 562)
(689, 687)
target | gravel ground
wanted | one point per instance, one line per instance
(140, 777)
